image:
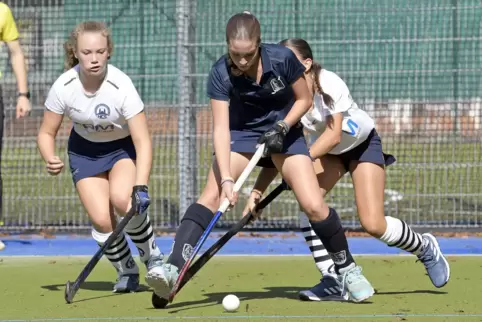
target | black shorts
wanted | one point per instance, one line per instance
(369, 151)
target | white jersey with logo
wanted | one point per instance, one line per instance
(357, 124)
(98, 117)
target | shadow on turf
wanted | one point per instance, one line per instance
(92, 286)
(412, 292)
(217, 298)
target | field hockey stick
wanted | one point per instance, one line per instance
(72, 288)
(208, 254)
(160, 303)
(224, 206)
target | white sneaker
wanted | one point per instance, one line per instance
(161, 278)
(353, 281)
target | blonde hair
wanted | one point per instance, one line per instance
(70, 46)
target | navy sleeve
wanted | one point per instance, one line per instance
(217, 88)
(293, 67)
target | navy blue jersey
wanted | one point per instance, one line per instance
(252, 106)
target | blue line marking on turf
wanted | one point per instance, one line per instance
(293, 244)
(256, 317)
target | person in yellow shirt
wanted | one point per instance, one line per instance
(9, 35)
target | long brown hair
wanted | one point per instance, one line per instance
(70, 46)
(242, 26)
(304, 50)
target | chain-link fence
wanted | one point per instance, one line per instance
(414, 65)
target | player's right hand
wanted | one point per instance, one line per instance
(23, 107)
(54, 165)
(227, 192)
(273, 138)
(253, 201)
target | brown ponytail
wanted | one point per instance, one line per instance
(315, 72)
(69, 48)
(304, 50)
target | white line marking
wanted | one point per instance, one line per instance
(256, 317)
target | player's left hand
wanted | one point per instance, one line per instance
(23, 107)
(274, 137)
(253, 201)
(140, 199)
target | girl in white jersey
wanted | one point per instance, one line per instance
(109, 148)
(343, 139)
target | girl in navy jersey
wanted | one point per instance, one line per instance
(343, 139)
(258, 94)
(109, 148)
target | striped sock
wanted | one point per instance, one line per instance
(399, 234)
(119, 253)
(320, 255)
(141, 233)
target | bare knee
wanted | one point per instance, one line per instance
(121, 201)
(375, 225)
(316, 210)
(210, 198)
(102, 222)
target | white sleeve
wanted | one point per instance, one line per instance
(133, 103)
(54, 101)
(334, 86)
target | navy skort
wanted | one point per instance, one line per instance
(369, 151)
(88, 159)
(246, 141)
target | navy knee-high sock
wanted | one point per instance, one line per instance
(331, 234)
(193, 224)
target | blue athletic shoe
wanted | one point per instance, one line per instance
(329, 289)
(127, 283)
(437, 267)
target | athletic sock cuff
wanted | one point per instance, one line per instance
(199, 214)
(330, 226)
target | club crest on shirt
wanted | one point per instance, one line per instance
(102, 111)
(276, 85)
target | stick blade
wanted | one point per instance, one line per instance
(68, 293)
(158, 302)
